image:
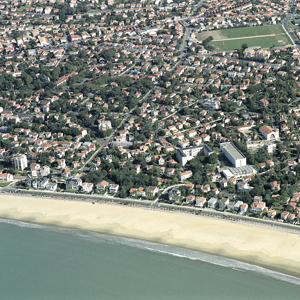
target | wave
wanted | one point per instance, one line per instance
(21, 224)
(189, 254)
(160, 248)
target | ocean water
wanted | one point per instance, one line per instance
(44, 262)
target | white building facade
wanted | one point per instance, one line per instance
(19, 162)
(233, 154)
(269, 133)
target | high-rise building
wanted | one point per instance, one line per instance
(19, 162)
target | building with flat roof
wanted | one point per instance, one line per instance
(233, 154)
(239, 172)
(254, 146)
(186, 154)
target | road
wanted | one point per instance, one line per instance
(293, 37)
(199, 5)
(187, 34)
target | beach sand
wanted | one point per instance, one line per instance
(274, 249)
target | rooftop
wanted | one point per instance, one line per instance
(240, 171)
(233, 150)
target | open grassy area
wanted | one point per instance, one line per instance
(250, 31)
(228, 39)
(3, 184)
(224, 34)
(292, 26)
(279, 40)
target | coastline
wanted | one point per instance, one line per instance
(273, 249)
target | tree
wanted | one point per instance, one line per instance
(213, 158)
(244, 46)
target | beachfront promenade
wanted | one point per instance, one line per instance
(206, 212)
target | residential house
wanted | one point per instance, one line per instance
(141, 192)
(153, 190)
(185, 175)
(212, 203)
(200, 201)
(222, 204)
(73, 183)
(244, 208)
(102, 185)
(190, 199)
(61, 163)
(136, 168)
(284, 215)
(275, 186)
(113, 188)
(271, 213)
(65, 173)
(87, 187)
(258, 207)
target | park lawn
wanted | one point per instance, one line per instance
(250, 31)
(3, 184)
(263, 42)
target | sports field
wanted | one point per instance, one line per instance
(263, 36)
(280, 40)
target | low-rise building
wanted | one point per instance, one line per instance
(87, 187)
(185, 175)
(174, 194)
(212, 203)
(269, 133)
(73, 183)
(190, 199)
(6, 177)
(102, 185)
(258, 207)
(200, 201)
(113, 188)
(222, 204)
(244, 208)
(186, 154)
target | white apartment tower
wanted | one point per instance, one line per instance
(19, 162)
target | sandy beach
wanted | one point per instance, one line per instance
(274, 249)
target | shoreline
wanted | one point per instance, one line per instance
(257, 245)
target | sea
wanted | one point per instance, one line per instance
(45, 262)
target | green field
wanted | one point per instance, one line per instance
(241, 32)
(280, 40)
(3, 184)
(250, 31)
(227, 39)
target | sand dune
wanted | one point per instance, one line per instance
(274, 249)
